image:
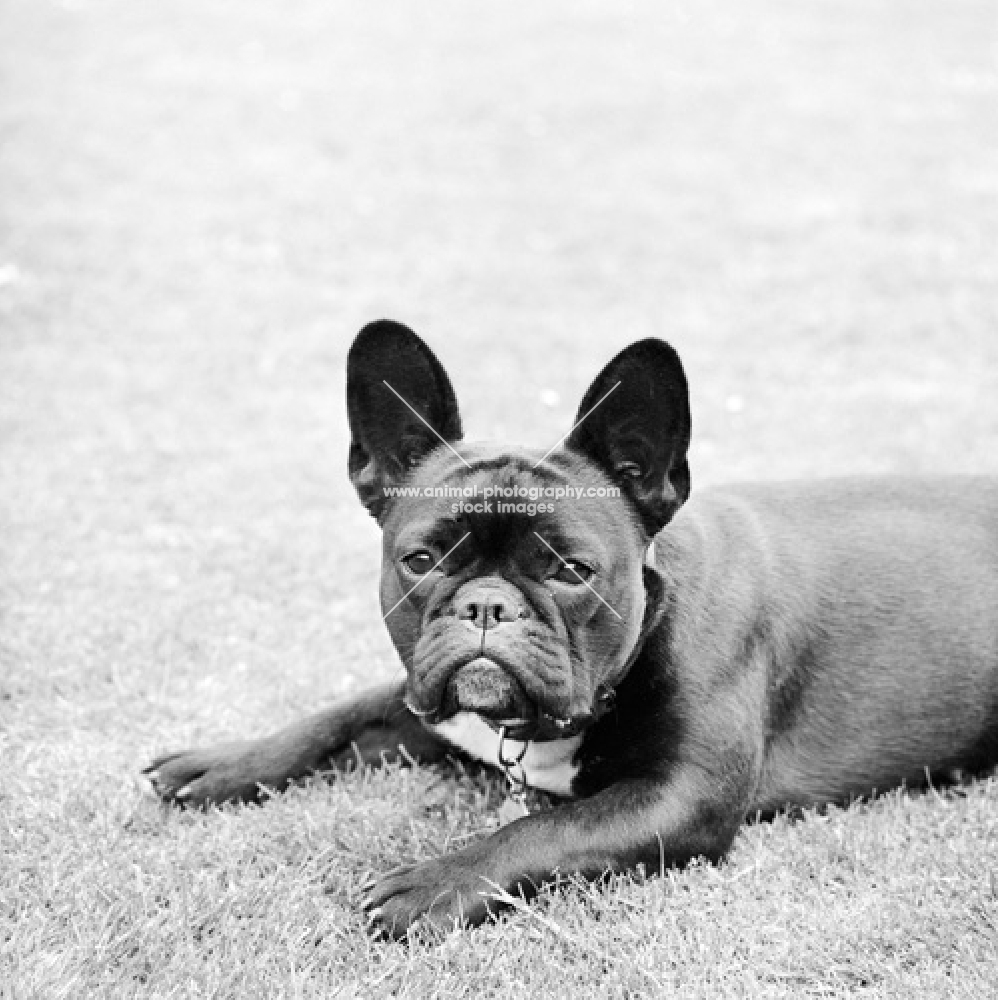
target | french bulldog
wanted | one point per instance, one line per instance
(666, 669)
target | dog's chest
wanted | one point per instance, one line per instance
(547, 766)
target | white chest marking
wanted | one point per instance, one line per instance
(547, 766)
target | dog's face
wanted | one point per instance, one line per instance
(514, 585)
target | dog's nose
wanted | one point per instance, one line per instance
(488, 610)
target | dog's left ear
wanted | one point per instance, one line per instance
(401, 406)
(634, 422)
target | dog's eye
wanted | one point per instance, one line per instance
(420, 563)
(629, 470)
(574, 572)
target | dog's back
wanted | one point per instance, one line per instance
(873, 606)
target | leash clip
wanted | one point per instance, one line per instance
(513, 769)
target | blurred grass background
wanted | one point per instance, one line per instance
(200, 204)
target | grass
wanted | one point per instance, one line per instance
(202, 204)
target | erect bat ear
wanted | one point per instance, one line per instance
(634, 423)
(400, 405)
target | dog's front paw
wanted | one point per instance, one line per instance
(229, 772)
(450, 891)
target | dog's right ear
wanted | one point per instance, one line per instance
(400, 405)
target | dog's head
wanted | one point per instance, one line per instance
(514, 583)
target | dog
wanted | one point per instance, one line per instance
(667, 669)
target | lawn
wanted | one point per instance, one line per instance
(201, 203)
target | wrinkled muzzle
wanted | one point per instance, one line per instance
(493, 658)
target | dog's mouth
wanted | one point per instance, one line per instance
(485, 689)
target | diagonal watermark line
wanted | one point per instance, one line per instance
(568, 566)
(425, 575)
(420, 416)
(562, 439)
